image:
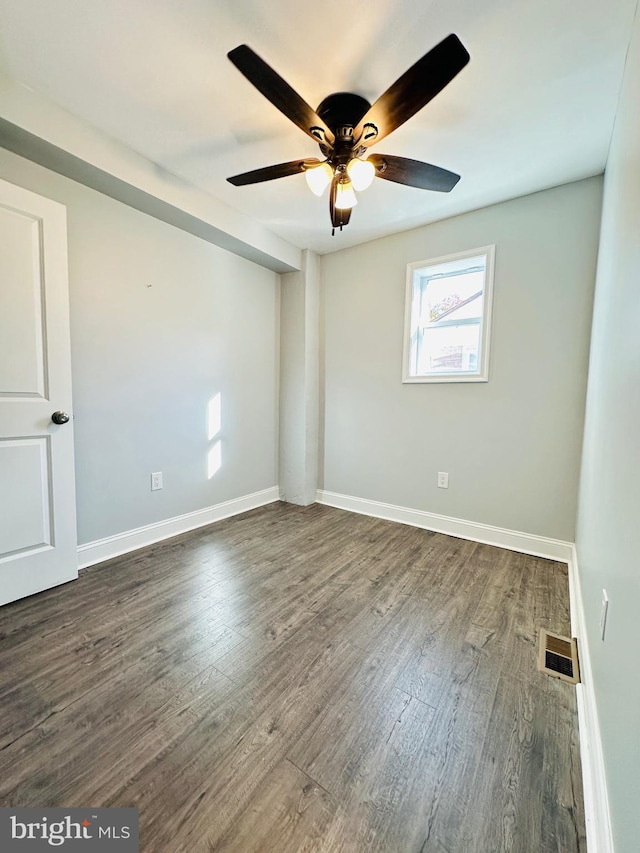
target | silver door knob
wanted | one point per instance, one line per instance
(60, 417)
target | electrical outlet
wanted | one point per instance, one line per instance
(604, 607)
(443, 480)
(156, 481)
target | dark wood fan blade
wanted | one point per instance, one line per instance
(343, 216)
(415, 88)
(339, 216)
(270, 173)
(280, 93)
(413, 173)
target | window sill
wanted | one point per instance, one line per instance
(462, 377)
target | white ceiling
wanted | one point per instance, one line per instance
(534, 107)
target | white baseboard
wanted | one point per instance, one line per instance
(526, 543)
(596, 801)
(130, 540)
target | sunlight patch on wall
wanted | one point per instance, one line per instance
(214, 425)
(214, 416)
(214, 459)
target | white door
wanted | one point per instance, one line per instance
(38, 546)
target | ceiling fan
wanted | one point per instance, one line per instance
(346, 125)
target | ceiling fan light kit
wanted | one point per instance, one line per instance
(345, 196)
(345, 125)
(362, 173)
(318, 177)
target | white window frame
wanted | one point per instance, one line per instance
(482, 372)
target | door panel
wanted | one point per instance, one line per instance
(22, 369)
(24, 474)
(38, 546)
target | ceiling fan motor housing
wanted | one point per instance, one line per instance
(342, 111)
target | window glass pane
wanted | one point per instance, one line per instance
(459, 294)
(449, 348)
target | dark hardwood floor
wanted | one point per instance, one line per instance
(299, 679)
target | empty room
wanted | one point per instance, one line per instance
(319, 393)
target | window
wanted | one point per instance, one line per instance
(447, 319)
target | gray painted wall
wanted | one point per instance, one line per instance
(161, 321)
(512, 445)
(608, 536)
(299, 382)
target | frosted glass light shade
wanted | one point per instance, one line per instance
(318, 178)
(345, 196)
(361, 172)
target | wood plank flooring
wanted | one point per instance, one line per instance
(299, 679)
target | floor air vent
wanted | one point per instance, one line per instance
(558, 656)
